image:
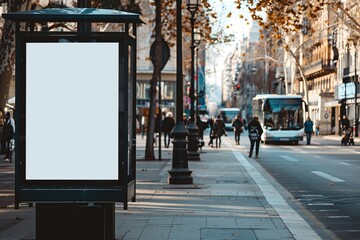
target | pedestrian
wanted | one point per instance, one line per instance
(142, 127)
(308, 125)
(255, 132)
(185, 119)
(8, 136)
(201, 126)
(211, 122)
(157, 128)
(166, 127)
(219, 130)
(317, 127)
(238, 129)
(137, 119)
(2, 122)
(244, 122)
(345, 123)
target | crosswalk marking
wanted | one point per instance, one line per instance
(320, 204)
(327, 176)
(290, 159)
(345, 163)
(355, 152)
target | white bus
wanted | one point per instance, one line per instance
(228, 115)
(281, 117)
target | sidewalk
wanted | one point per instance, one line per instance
(338, 138)
(230, 199)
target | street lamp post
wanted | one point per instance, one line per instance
(193, 154)
(197, 37)
(180, 173)
(356, 117)
(355, 100)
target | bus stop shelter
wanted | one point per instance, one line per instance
(74, 157)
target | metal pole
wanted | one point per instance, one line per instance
(192, 72)
(180, 173)
(193, 148)
(197, 81)
(355, 97)
(160, 115)
(266, 71)
(84, 26)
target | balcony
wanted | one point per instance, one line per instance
(319, 68)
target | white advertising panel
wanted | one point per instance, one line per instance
(72, 95)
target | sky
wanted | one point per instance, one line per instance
(234, 24)
(218, 53)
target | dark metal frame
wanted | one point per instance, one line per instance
(121, 190)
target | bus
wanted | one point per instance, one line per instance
(281, 117)
(228, 115)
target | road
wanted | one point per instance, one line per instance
(323, 177)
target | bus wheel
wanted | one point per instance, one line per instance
(295, 142)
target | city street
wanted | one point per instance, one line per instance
(289, 192)
(323, 177)
(284, 69)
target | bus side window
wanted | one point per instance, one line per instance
(266, 106)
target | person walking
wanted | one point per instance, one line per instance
(2, 122)
(166, 127)
(238, 126)
(142, 127)
(317, 127)
(219, 130)
(8, 136)
(255, 132)
(345, 123)
(157, 129)
(244, 122)
(308, 125)
(211, 122)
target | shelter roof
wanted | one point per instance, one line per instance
(74, 15)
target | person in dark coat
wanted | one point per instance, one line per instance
(237, 124)
(218, 130)
(245, 125)
(308, 128)
(211, 124)
(254, 125)
(201, 126)
(166, 127)
(157, 123)
(157, 128)
(345, 123)
(8, 135)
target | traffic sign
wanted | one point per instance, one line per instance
(187, 100)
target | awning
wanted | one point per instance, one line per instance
(332, 104)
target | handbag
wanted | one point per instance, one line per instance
(12, 145)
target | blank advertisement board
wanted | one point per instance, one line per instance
(72, 111)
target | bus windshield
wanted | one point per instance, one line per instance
(228, 115)
(283, 114)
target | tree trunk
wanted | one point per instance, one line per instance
(7, 55)
(149, 150)
(7, 50)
